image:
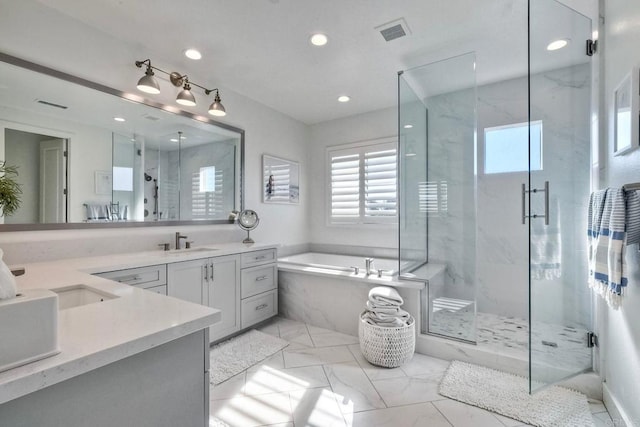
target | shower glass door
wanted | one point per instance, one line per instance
(558, 192)
(438, 217)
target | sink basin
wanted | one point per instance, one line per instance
(77, 295)
(189, 251)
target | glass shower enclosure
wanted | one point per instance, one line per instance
(493, 192)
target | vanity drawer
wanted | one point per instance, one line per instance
(143, 277)
(259, 307)
(162, 290)
(259, 279)
(250, 259)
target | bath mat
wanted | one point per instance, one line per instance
(508, 395)
(239, 353)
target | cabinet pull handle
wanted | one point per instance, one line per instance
(126, 279)
(260, 257)
(261, 278)
(262, 307)
(212, 272)
(206, 272)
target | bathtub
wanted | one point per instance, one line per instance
(323, 290)
(320, 260)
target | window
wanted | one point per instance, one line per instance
(363, 182)
(207, 179)
(206, 202)
(122, 179)
(506, 148)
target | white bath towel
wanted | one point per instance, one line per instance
(386, 321)
(607, 241)
(385, 309)
(385, 296)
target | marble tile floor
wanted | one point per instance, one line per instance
(322, 380)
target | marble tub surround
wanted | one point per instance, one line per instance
(332, 384)
(334, 299)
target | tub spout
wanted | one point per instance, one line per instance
(368, 262)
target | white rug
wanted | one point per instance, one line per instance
(239, 353)
(508, 395)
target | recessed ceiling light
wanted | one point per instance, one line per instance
(119, 119)
(344, 98)
(557, 44)
(174, 140)
(408, 126)
(193, 54)
(319, 39)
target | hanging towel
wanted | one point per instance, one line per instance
(546, 246)
(96, 212)
(607, 240)
(385, 295)
(633, 217)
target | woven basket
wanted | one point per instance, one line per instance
(387, 347)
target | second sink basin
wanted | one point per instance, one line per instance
(77, 295)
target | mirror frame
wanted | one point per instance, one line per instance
(32, 66)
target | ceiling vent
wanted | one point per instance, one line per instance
(394, 29)
(52, 104)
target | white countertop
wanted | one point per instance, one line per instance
(94, 335)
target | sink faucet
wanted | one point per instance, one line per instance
(178, 237)
(368, 262)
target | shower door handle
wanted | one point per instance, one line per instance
(546, 203)
(524, 204)
(544, 190)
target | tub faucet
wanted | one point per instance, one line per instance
(178, 237)
(368, 262)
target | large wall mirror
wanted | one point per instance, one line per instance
(91, 156)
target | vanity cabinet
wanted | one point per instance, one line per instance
(244, 286)
(259, 286)
(214, 282)
(152, 278)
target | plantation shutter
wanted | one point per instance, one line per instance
(363, 182)
(380, 177)
(207, 190)
(345, 186)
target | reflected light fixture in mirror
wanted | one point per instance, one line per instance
(557, 44)
(149, 84)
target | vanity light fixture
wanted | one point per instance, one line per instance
(344, 98)
(185, 97)
(149, 84)
(557, 44)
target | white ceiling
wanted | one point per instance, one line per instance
(260, 48)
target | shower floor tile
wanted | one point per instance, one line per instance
(563, 347)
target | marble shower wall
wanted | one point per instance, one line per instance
(561, 100)
(485, 246)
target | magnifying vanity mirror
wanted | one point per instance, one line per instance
(91, 156)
